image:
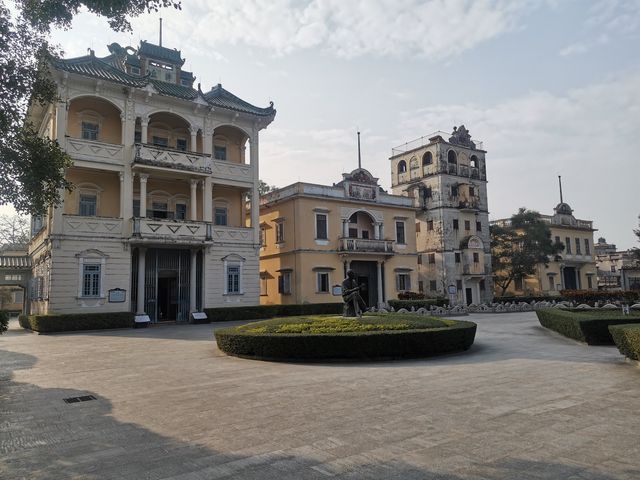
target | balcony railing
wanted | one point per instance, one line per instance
(224, 172)
(171, 230)
(79, 225)
(234, 235)
(469, 204)
(366, 245)
(475, 269)
(156, 156)
(93, 151)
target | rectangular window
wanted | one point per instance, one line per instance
(578, 249)
(427, 192)
(459, 285)
(220, 216)
(219, 153)
(321, 226)
(263, 286)
(365, 234)
(567, 245)
(233, 278)
(433, 285)
(280, 232)
(467, 225)
(137, 136)
(353, 233)
(457, 256)
(417, 227)
(472, 192)
(587, 247)
(552, 285)
(136, 207)
(430, 225)
(613, 269)
(476, 257)
(91, 280)
(89, 131)
(454, 190)
(284, 283)
(557, 239)
(88, 205)
(323, 282)
(589, 282)
(403, 282)
(478, 226)
(420, 286)
(419, 259)
(159, 210)
(263, 236)
(400, 238)
(181, 144)
(455, 224)
(432, 258)
(181, 211)
(518, 283)
(160, 141)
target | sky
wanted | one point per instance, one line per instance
(552, 87)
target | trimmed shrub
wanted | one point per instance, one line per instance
(427, 303)
(457, 336)
(76, 321)
(590, 327)
(627, 339)
(590, 296)
(410, 296)
(228, 314)
(4, 321)
(527, 299)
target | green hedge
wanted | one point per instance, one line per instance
(428, 303)
(227, 314)
(4, 321)
(627, 339)
(589, 327)
(76, 321)
(527, 299)
(388, 344)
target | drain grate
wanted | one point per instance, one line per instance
(84, 398)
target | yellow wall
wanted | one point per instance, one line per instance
(108, 184)
(95, 109)
(235, 140)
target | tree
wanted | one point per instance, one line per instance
(14, 230)
(518, 247)
(32, 168)
(636, 251)
(263, 188)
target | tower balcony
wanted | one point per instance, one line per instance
(162, 230)
(94, 151)
(466, 205)
(366, 245)
(168, 158)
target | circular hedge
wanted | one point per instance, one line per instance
(330, 337)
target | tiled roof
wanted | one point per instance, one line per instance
(15, 262)
(220, 97)
(161, 53)
(91, 66)
(175, 90)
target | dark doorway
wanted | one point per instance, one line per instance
(167, 296)
(569, 275)
(469, 295)
(366, 273)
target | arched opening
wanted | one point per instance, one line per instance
(168, 130)
(402, 166)
(94, 119)
(452, 157)
(230, 144)
(427, 159)
(362, 225)
(473, 161)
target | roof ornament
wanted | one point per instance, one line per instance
(160, 39)
(461, 136)
(359, 156)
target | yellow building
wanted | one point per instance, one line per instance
(156, 221)
(312, 234)
(575, 267)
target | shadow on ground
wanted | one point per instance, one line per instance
(42, 437)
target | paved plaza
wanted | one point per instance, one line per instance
(523, 403)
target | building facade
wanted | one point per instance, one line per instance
(163, 187)
(573, 269)
(447, 181)
(312, 234)
(616, 270)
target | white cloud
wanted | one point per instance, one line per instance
(433, 29)
(589, 136)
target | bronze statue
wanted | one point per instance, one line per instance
(353, 302)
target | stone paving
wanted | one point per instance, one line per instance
(523, 403)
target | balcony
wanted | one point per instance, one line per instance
(162, 157)
(229, 173)
(92, 151)
(365, 245)
(469, 205)
(234, 235)
(170, 231)
(79, 225)
(475, 269)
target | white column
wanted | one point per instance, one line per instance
(61, 122)
(192, 282)
(56, 213)
(381, 232)
(380, 292)
(121, 175)
(345, 228)
(143, 194)
(207, 140)
(194, 139)
(207, 200)
(141, 272)
(255, 195)
(123, 125)
(194, 200)
(376, 231)
(144, 123)
(127, 192)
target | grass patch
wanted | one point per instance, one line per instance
(321, 337)
(591, 327)
(627, 339)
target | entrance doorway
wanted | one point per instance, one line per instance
(469, 295)
(167, 296)
(569, 277)
(367, 275)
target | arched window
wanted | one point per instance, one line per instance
(451, 157)
(427, 159)
(402, 166)
(473, 161)
(413, 163)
